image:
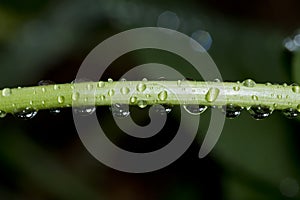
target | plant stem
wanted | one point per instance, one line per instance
(143, 93)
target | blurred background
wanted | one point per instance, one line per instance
(43, 158)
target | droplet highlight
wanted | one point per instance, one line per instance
(249, 83)
(195, 109)
(290, 113)
(25, 114)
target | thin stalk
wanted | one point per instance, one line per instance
(142, 93)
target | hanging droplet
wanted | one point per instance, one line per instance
(162, 109)
(54, 111)
(195, 109)
(290, 113)
(260, 112)
(6, 92)
(60, 99)
(163, 95)
(25, 114)
(111, 92)
(142, 103)
(120, 110)
(124, 90)
(212, 94)
(141, 87)
(231, 111)
(46, 82)
(249, 83)
(84, 111)
(133, 99)
(101, 84)
(2, 114)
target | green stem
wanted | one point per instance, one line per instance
(144, 93)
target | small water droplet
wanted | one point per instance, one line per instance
(102, 97)
(260, 112)
(110, 80)
(111, 92)
(133, 99)
(284, 84)
(101, 84)
(43, 89)
(56, 87)
(123, 79)
(163, 95)
(178, 82)
(25, 114)
(31, 102)
(43, 102)
(268, 84)
(2, 114)
(84, 111)
(195, 109)
(141, 87)
(217, 80)
(142, 103)
(60, 99)
(254, 97)
(162, 109)
(6, 92)
(236, 88)
(296, 89)
(279, 96)
(75, 96)
(124, 90)
(290, 113)
(89, 87)
(120, 110)
(249, 83)
(144, 79)
(231, 111)
(212, 94)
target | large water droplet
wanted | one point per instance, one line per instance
(120, 110)
(163, 95)
(290, 113)
(162, 109)
(124, 90)
(84, 111)
(195, 109)
(61, 99)
(260, 112)
(141, 87)
(212, 94)
(249, 83)
(2, 114)
(25, 114)
(296, 88)
(142, 103)
(231, 111)
(6, 92)
(75, 96)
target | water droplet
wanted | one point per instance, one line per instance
(6, 92)
(296, 89)
(56, 87)
(111, 92)
(231, 111)
(102, 97)
(101, 84)
(120, 110)
(31, 102)
(236, 88)
(279, 96)
(133, 99)
(163, 95)
(290, 113)
(195, 109)
(268, 84)
(46, 82)
(260, 112)
(141, 87)
(25, 114)
(217, 80)
(75, 96)
(123, 79)
(125, 90)
(249, 83)
(84, 111)
(162, 109)
(284, 84)
(89, 87)
(54, 111)
(178, 82)
(254, 97)
(43, 89)
(43, 102)
(142, 103)
(60, 99)
(298, 108)
(2, 114)
(144, 79)
(212, 94)
(110, 80)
